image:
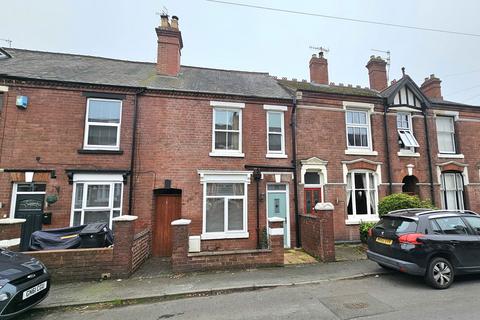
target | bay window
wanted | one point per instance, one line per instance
(102, 125)
(362, 195)
(96, 198)
(452, 191)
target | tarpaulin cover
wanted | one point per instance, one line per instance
(62, 238)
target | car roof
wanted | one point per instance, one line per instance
(415, 213)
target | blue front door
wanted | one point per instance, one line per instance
(277, 207)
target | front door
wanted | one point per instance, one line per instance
(167, 209)
(277, 206)
(29, 200)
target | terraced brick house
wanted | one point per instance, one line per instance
(86, 139)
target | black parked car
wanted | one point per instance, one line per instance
(24, 282)
(436, 244)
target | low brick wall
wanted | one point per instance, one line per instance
(317, 234)
(76, 264)
(128, 252)
(140, 248)
(183, 261)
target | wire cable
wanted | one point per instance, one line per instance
(345, 19)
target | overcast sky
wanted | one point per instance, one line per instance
(228, 37)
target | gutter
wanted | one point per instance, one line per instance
(387, 148)
(134, 149)
(429, 156)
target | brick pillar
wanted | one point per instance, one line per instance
(124, 230)
(275, 231)
(10, 233)
(325, 213)
(180, 234)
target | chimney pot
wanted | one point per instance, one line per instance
(174, 22)
(377, 73)
(164, 21)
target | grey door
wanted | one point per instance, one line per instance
(29, 206)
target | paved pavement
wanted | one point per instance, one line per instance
(389, 296)
(170, 286)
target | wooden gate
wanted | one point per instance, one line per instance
(168, 207)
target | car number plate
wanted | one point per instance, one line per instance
(34, 290)
(388, 242)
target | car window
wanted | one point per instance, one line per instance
(397, 225)
(452, 225)
(435, 227)
(474, 222)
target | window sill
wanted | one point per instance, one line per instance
(227, 154)
(98, 151)
(350, 222)
(451, 156)
(361, 152)
(408, 154)
(276, 156)
(224, 235)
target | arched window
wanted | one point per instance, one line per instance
(410, 185)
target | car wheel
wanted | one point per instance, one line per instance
(440, 273)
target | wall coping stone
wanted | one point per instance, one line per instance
(69, 251)
(12, 221)
(228, 252)
(276, 219)
(9, 243)
(125, 218)
(181, 222)
(324, 206)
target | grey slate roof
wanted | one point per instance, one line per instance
(104, 71)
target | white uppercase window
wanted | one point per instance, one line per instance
(227, 129)
(276, 134)
(102, 125)
(446, 134)
(405, 131)
(358, 129)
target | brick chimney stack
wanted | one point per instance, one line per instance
(431, 87)
(169, 46)
(318, 69)
(377, 72)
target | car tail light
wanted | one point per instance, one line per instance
(411, 238)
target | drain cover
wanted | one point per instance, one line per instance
(352, 306)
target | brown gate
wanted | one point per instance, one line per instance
(167, 209)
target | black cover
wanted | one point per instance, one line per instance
(95, 235)
(94, 228)
(63, 238)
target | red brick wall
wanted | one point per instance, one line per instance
(175, 139)
(318, 236)
(52, 128)
(141, 248)
(182, 261)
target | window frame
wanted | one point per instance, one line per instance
(208, 177)
(88, 123)
(96, 179)
(452, 134)
(406, 133)
(354, 218)
(459, 193)
(281, 152)
(232, 107)
(369, 146)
